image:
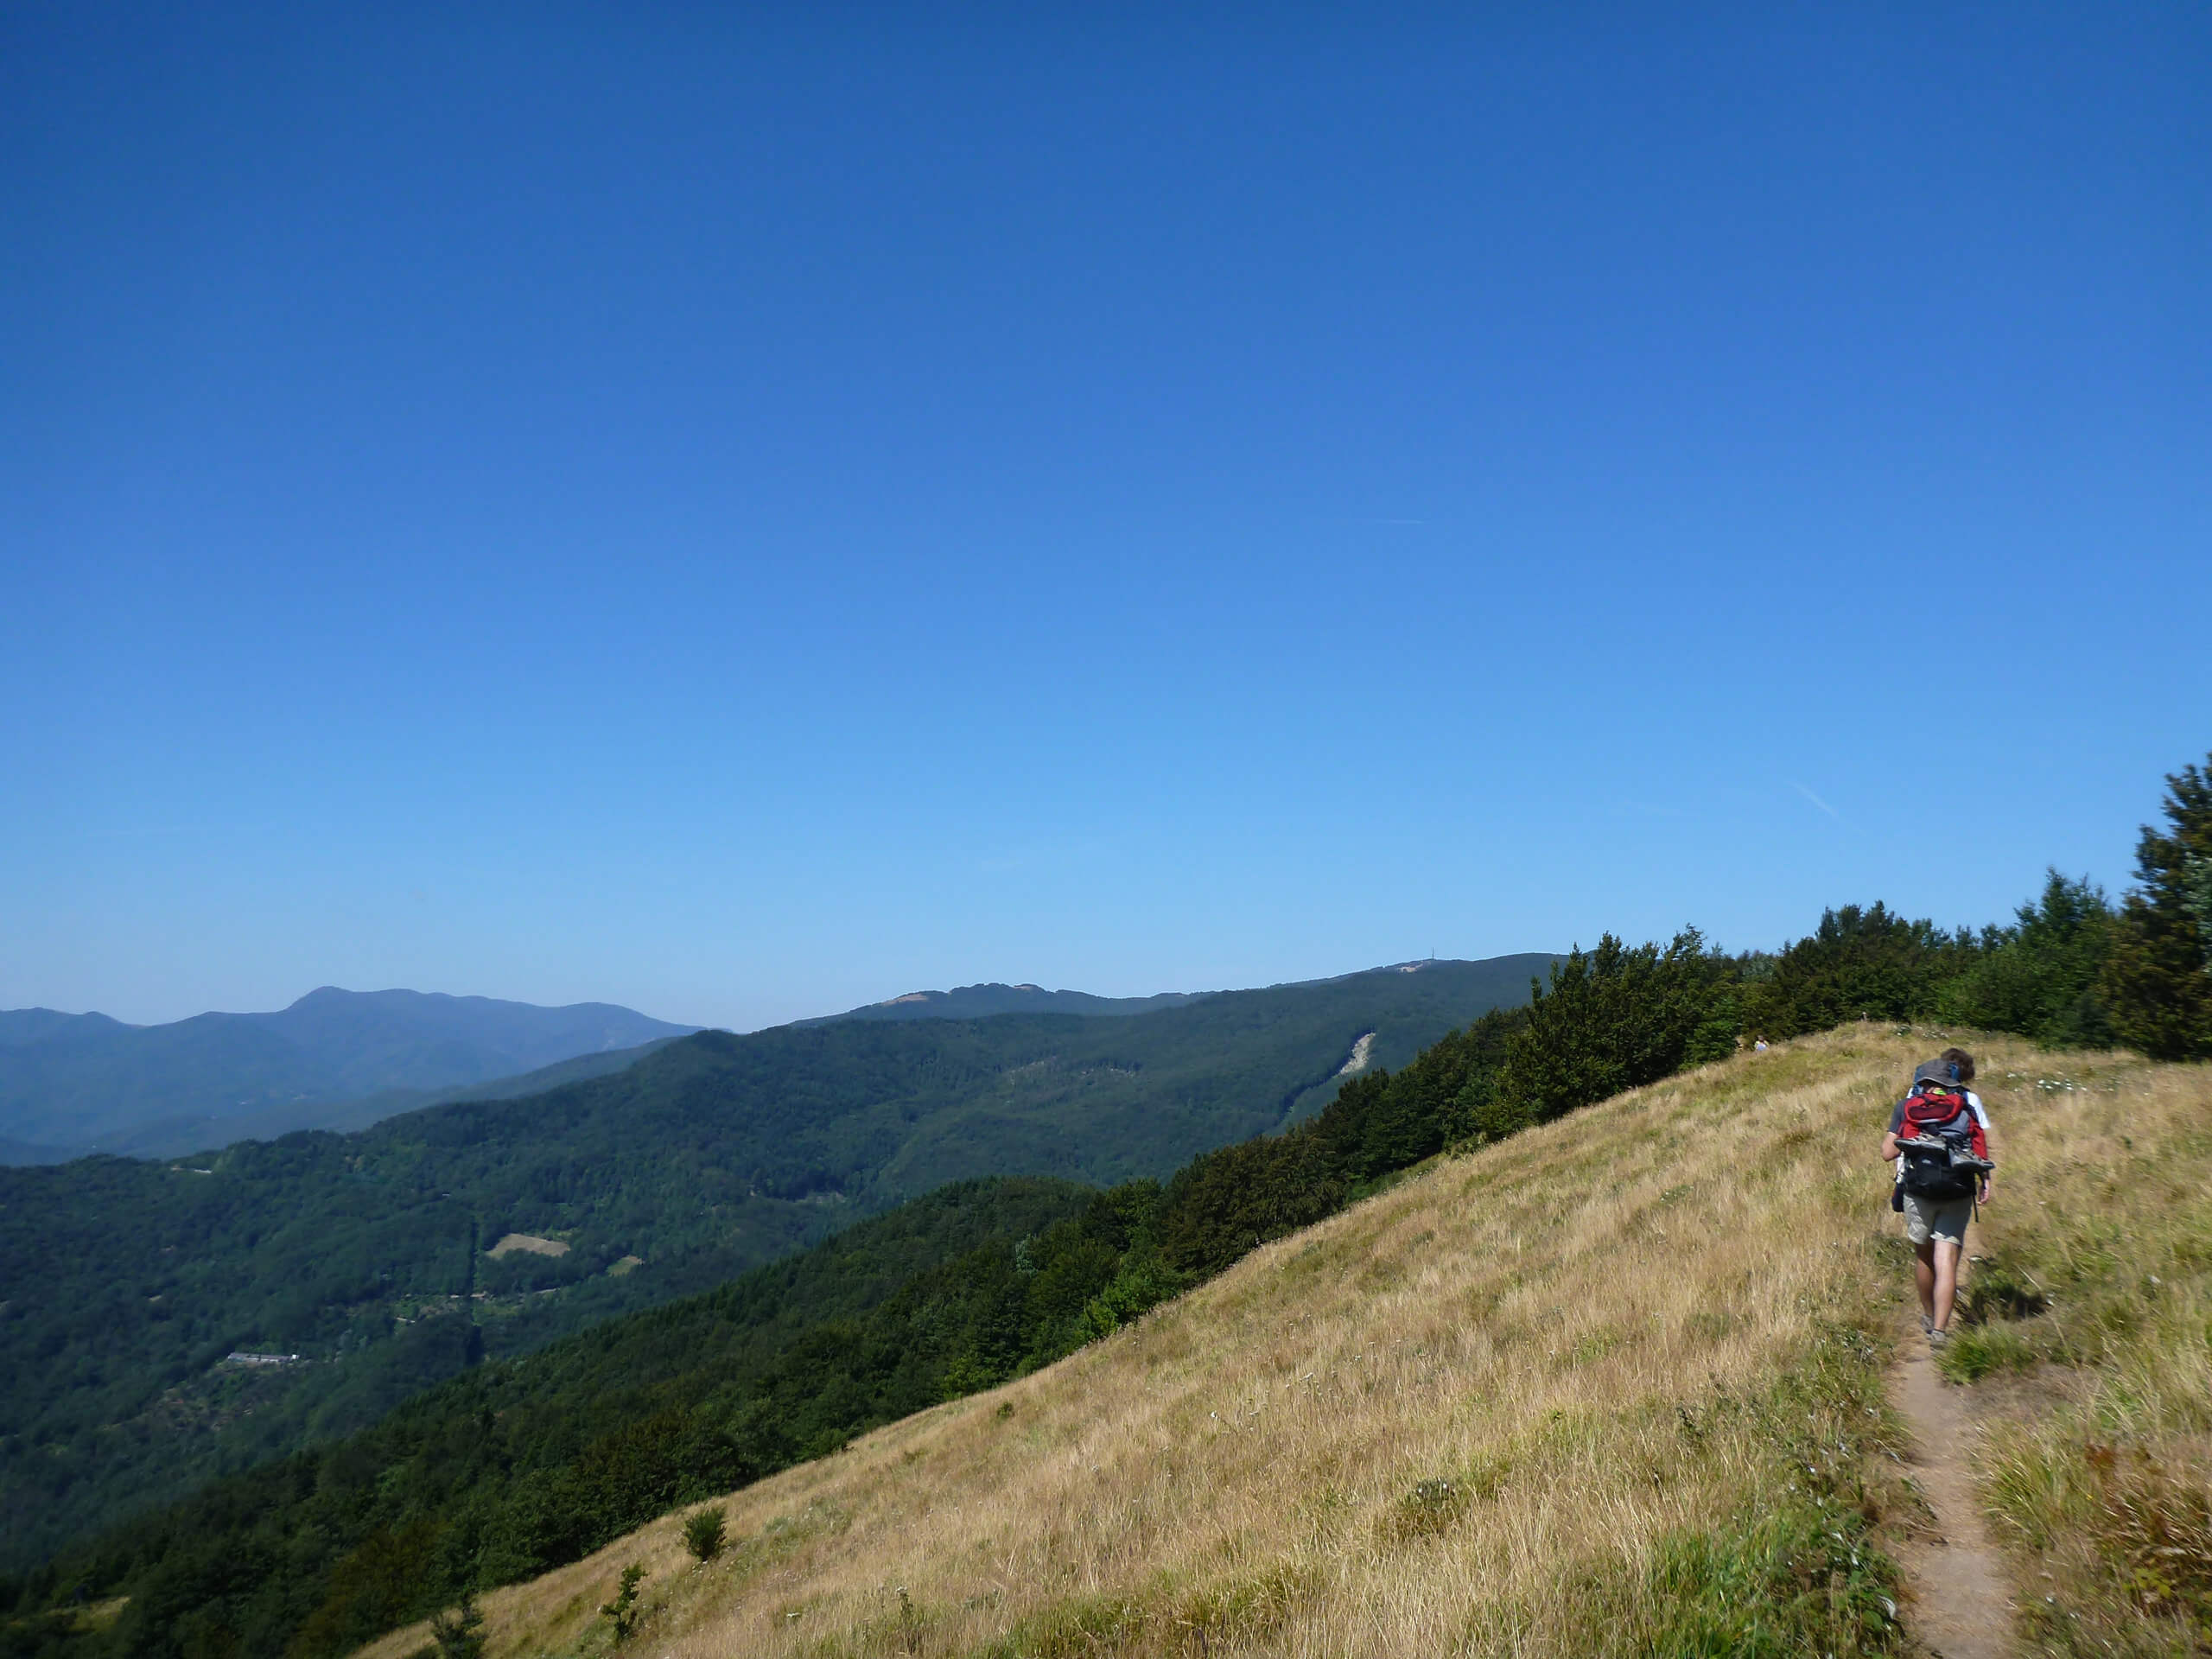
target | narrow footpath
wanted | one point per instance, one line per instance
(1959, 1602)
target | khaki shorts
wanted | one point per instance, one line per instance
(1927, 1219)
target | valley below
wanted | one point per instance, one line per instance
(371, 1255)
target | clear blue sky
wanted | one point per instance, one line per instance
(742, 517)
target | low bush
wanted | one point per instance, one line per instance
(1429, 1510)
(459, 1634)
(703, 1532)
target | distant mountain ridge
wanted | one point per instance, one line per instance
(73, 1081)
(74, 1085)
(981, 1001)
(172, 1137)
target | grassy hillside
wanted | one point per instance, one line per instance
(1612, 1385)
(366, 1253)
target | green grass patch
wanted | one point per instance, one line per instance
(1796, 1570)
(1072, 1629)
(1977, 1351)
(1797, 1579)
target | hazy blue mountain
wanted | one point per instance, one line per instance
(21, 1026)
(172, 1137)
(84, 1080)
(980, 1001)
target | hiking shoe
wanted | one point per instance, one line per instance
(1938, 1340)
(1927, 1325)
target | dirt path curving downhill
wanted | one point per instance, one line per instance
(1959, 1603)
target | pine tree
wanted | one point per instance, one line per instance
(1613, 1019)
(1867, 964)
(623, 1611)
(2158, 977)
(2043, 976)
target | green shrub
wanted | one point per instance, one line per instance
(459, 1634)
(623, 1611)
(1859, 963)
(704, 1531)
(1428, 1511)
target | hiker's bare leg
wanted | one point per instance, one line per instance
(1924, 1276)
(1946, 1281)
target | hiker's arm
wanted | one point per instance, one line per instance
(1889, 1146)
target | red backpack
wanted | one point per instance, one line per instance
(1946, 1152)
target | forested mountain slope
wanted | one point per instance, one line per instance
(1611, 1386)
(175, 1137)
(981, 1001)
(69, 1080)
(518, 1465)
(368, 1254)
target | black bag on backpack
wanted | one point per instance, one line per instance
(1938, 1141)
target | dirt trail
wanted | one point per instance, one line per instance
(1959, 1604)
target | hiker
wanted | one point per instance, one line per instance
(1939, 1139)
(1758, 1045)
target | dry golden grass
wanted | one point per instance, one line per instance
(1495, 1408)
(2097, 1442)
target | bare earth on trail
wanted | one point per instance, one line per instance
(1956, 1580)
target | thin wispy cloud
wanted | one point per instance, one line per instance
(1817, 801)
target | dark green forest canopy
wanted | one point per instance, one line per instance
(124, 1285)
(515, 1465)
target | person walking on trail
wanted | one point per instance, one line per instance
(1939, 1139)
